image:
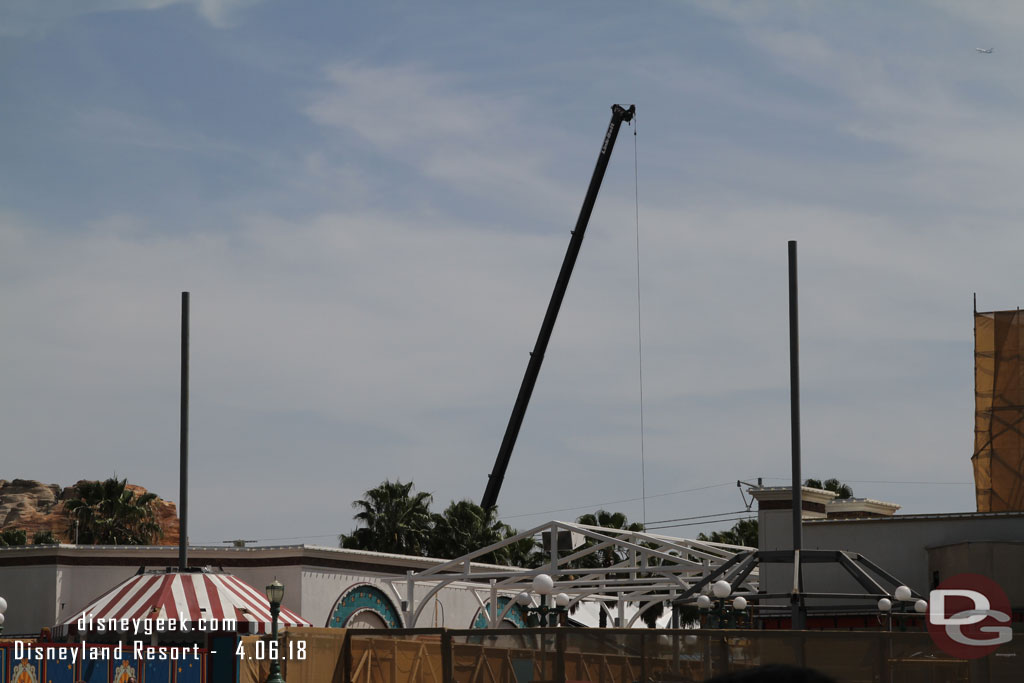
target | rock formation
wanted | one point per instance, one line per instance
(35, 506)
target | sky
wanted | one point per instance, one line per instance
(369, 204)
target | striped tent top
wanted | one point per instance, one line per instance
(198, 600)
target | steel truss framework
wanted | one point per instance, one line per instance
(869, 575)
(644, 569)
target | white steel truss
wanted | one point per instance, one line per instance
(642, 568)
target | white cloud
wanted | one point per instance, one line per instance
(450, 131)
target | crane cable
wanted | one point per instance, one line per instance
(639, 327)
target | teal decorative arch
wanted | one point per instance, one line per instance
(514, 615)
(363, 597)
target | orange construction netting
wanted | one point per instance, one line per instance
(999, 411)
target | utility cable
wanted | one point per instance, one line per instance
(687, 519)
(711, 521)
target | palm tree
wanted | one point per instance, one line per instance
(834, 485)
(464, 527)
(109, 513)
(394, 519)
(610, 556)
(522, 553)
(743, 532)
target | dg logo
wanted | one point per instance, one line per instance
(969, 616)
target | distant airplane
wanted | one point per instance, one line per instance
(985, 50)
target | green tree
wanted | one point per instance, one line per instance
(393, 519)
(743, 532)
(13, 537)
(109, 513)
(651, 616)
(464, 527)
(834, 485)
(525, 552)
(611, 555)
(44, 538)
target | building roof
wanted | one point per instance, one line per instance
(911, 518)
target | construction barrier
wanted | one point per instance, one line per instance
(550, 655)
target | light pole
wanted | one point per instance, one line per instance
(719, 614)
(543, 615)
(543, 585)
(3, 608)
(275, 594)
(885, 607)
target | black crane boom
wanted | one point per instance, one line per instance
(515, 421)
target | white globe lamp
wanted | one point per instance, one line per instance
(903, 594)
(920, 606)
(721, 589)
(884, 605)
(543, 584)
(740, 603)
(704, 602)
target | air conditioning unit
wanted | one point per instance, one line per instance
(567, 540)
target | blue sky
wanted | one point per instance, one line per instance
(369, 203)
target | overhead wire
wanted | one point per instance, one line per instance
(713, 521)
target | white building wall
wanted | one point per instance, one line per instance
(897, 544)
(44, 594)
(79, 585)
(31, 598)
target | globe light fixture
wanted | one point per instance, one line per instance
(903, 594)
(545, 614)
(543, 584)
(721, 589)
(884, 605)
(3, 608)
(703, 602)
(740, 603)
(920, 606)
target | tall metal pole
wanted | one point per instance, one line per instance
(515, 421)
(183, 441)
(798, 620)
(275, 661)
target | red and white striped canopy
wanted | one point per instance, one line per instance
(192, 596)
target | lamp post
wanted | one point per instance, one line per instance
(885, 607)
(544, 615)
(720, 615)
(3, 608)
(275, 594)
